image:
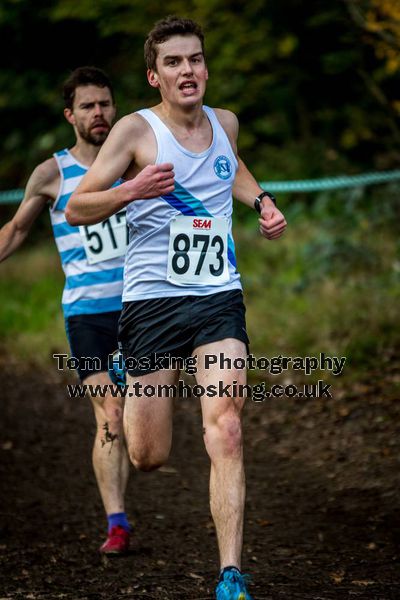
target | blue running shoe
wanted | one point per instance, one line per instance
(116, 368)
(232, 586)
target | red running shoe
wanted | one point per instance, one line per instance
(117, 541)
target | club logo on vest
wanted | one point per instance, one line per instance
(222, 167)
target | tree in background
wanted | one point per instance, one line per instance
(379, 21)
(315, 84)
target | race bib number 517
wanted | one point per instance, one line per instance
(105, 240)
(198, 251)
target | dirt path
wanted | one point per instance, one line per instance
(322, 520)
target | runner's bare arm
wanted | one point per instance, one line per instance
(38, 193)
(94, 199)
(246, 189)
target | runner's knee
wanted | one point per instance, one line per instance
(224, 435)
(108, 410)
(147, 459)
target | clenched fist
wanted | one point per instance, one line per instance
(272, 222)
(152, 181)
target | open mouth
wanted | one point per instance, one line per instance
(188, 85)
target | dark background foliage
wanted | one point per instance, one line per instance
(314, 91)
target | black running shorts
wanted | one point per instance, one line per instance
(94, 337)
(175, 326)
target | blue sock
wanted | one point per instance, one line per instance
(118, 519)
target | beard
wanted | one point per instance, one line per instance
(95, 139)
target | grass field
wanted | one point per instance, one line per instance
(31, 322)
(331, 285)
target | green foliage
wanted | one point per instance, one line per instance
(30, 295)
(311, 95)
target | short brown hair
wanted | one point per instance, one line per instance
(84, 76)
(165, 29)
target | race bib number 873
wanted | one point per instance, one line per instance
(198, 251)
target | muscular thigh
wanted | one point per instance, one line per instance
(219, 364)
(148, 407)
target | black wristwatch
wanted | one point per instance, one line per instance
(257, 201)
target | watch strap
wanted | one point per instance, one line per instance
(257, 201)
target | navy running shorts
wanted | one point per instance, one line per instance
(94, 337)
(175, 326)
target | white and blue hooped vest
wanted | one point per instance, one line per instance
(90, 287)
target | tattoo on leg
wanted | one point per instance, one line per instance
(108, 437)
(204, 431)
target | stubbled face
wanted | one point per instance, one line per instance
(92, 113)
(181, 71)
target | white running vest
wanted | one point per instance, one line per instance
(90, 288)
(181, 243)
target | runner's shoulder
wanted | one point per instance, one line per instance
(230, 124)
(46, 172)
(127, 133)
(132, 123)
(44, 178)
(228, 119)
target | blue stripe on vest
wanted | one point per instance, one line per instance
(65, 228)
(72, 254)
(62, 153)
(89, 307)
(188, 205)
(73, 171)
(62, 201)
(181, 198)
(231, 252)
(94, 278)
(179, 205)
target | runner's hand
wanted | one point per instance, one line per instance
(152, 181)
(272, 222)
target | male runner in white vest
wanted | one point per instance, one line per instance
(182, 292)
(93, 260)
